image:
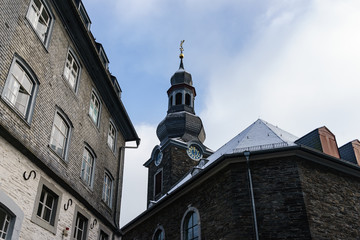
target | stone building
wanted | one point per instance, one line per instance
(265, 183)
(63, 127)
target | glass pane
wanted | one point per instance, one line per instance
(26, 84)
(39, 209)
(47, 214)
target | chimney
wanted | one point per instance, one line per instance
(322, 140)
(351, 151)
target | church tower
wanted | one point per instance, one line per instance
(181, 136)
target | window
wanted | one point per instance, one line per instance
(41, 19)
(84, 16)
(190, 225)
(187, 99)
(87, 167)
(159, 234)
(20, 88)
(94, 110)
(158, 182)
(103, 235)
(80, 227)
(71, 70)
(170, 101)
(5, 219)
(11, 217)
(111, 136)
(107, 189)
(178, 99)
(60, 135)
(46, 209)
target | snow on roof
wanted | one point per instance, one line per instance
(260, 135)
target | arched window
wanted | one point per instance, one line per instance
(159, 234)
(20, 88)
(187, 99)
(178, 99)
(191, 225)
(170, 101)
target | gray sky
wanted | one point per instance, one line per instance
(293, 63)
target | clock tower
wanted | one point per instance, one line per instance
(181, 136)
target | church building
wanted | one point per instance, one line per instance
(265, 183)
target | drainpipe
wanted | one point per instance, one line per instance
(247, 156)
(121, 150)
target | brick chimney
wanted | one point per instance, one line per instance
(322, 140)
(351, 151)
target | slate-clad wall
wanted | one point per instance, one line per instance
(17, 36)
(332, 202)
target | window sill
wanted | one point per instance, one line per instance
(63, 159)
(74, 91)
(18, 114)
(96, 125)
(87, 187)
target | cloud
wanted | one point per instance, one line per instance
(134, 194)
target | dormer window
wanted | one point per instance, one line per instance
(102, 55)
(84, 16)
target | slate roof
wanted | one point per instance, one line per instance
(260, 135)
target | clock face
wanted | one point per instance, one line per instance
(158, 158)
(194, 153)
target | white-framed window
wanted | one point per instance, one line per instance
(5, 221)
(60, 134)
(190, 225)
(94, 110)
(84, 16)
(107, 189)
(47, 206)
(80, 225)
(87, 167)
(20, 88)
(111, 136)
(159, 233)
(72, 70)
(41, 19)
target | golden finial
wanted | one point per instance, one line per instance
(181, 49)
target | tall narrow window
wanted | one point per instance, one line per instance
(178, 99)
(71, 70)
(40, 18)
(5, 220)
(87, 167)
(107, 189)
(20, 89)
(187, 99)
(111, 136)
(170, 101)
(158, 182)
(190, 226)
(94, 108)
(80, 227)
(59, 135)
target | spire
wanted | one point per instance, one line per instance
(181, 56)
(181, 121)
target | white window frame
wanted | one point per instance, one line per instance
(69, 71)
(56, 131)
(88, 168)
(84, 16)
(107, 192)
(75, 226)
(18, 75)
(112, 134)
(94, 97)
(183, 223)
(49, 188)
(35, 15)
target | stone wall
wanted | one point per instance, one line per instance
(13, 164)
(18, 37)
